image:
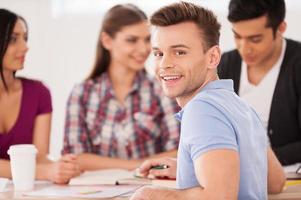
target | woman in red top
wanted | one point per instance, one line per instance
(25, 106)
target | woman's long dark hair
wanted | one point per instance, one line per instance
(115, 19)
(8, 21)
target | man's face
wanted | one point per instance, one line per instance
(181, 63)
(255, 41)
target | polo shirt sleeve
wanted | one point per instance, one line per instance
(206, 128)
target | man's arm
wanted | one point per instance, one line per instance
(217, 172)
(276, 175)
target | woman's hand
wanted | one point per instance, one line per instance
(63, 170)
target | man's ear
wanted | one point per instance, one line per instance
(282, 27)
(106, 40)
(214, 57)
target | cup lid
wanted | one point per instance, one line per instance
(22, 149)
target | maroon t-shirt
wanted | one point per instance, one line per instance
(36, 100)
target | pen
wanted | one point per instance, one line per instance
(160, 167)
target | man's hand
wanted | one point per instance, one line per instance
(157, 193)
(144, 193)
(146, 168)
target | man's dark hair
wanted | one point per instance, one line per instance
(184, 12)
(250, 9)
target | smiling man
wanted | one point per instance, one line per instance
(223, 151)
(266, 70)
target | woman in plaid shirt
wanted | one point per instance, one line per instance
(119, 115)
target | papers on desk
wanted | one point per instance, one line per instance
(293, 176)
(89, 192)
(290, 172)
(107, 177)
(118, 177)
(291, 168)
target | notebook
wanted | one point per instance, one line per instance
(291, 172)
(102, 177)
(118, 177)
(293, 176)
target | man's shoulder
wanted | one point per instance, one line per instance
(231, 56)
(293, 47)
(206, 103)
(230, 64)
(293, 43)
(230, 59)
(292, 53)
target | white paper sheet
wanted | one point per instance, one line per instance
(292, 168)
(89, 192)
(109, 176)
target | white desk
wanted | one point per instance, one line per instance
(10, 194)
(291, 193)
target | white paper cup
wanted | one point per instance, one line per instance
(23, 166)
(3, 183)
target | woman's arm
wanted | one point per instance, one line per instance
(40, 140)
(5, 168)
(171, 153)
(41, 136)
(89, 161)
(58, 172)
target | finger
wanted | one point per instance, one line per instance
(138, 174)
(70, 172)
(147, 165)
(60, 179)
(65, 176)
(160, 172)
(69, 157)
(68, 166)
(77, 172)
(168, 161)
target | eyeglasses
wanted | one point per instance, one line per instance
(298, 171)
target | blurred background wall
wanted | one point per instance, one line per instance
(63, 36)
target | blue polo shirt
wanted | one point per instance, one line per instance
(216, 118)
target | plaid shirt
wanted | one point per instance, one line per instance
(97, 123)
